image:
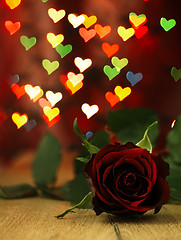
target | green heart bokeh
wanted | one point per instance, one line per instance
(27, 42)
(111, 72)
(50, 66)
(167, 25)
(63, 50)
(119, 63)
(176, 73)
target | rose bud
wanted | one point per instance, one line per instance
(126, 179)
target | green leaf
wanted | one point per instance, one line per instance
(86, 201)
(174, 180)
(173, 146)
(82, 159)
(100, 139)
(174, 142)
(145, 141)
(2, 193)
(91, 148)
(47, 160)
(77, 131)
(78, 166)
(61, 193)
(130, 124)
(18, 191)
(79, 187)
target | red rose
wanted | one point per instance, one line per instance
(126, 179)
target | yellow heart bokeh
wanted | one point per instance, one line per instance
(89, 21)
(122, 92)
(19, 120)
(13, 3)
(73, 88)
(124, 33)
(56, 15)
(51, 113)
(137, 20)
(55, 40)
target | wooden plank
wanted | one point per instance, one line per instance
(33, 219)
(165, 225)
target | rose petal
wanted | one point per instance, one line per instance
(145, 187)
(100, 206)
(162, 167)
(132, 162)
(105, 196)
(160, 194)
(101, 153)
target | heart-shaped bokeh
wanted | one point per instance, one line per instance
(87, 34)
(124, 33)
(89, 21)
(64, 50)
(13, 3)
(137, 21)
(167, 24)
(82, 64)
(110, 50)
(12, 27)
(55, 40)
(55, 15)
(111, 72)
(76, 20)
(89, 110)
(102, 31)
(134, 78)
(176, 73)
(122, 93)
(49, 66)
(19, 119)
(119, 63)
(27, 42)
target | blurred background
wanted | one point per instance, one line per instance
(153, 55)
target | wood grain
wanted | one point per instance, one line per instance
(33, 219)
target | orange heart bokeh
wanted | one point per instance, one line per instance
(110, 50)
(17, 90)
(12, 27)
(102, 31)
(87, 34)
(112, 98)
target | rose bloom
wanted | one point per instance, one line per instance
(126, 179)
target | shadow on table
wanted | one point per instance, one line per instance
(164, 217)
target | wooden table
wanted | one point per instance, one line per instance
(33, 219)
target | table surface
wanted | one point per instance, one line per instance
(34, 218)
